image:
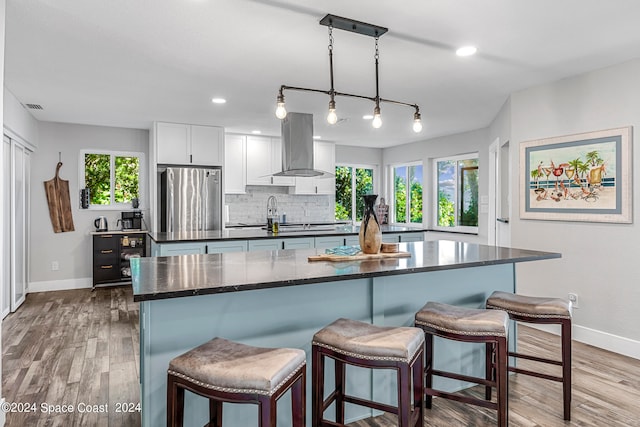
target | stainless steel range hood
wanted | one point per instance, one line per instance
(297, 147)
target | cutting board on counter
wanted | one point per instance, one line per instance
(358, 257)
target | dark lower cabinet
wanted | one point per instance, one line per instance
(112, 254)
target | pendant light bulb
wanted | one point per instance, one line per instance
(377, 120)
(332, 117)
(417, 123)
(281, 112)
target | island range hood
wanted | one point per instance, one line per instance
(297, 147)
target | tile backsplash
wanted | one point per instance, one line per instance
(251, 208)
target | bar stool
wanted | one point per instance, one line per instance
(350, 342)
(227, 371)
(473, 326)
(541, 310)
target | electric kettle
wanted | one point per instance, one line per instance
(101, 223)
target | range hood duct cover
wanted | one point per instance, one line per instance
(297, 147)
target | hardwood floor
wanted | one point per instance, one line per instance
(73, 347)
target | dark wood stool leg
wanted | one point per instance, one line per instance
(502, 381)
(267, 411)
(339, 380)
(418, 388)
(489, 368)
(428, 345)
(404, 395)
(317, 386)
(298, 409)
(215, 413)
(566, 367)
(175, 403)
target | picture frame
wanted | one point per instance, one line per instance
(581, 177)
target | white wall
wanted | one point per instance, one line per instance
(18, 121)
(2, 196)
(424, 151)
(72, 250)
(599, 261)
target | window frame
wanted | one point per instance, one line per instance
(392, 192)
(142, 177)
(355, 166)
(457, 228)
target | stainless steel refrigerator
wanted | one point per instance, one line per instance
(190, 199)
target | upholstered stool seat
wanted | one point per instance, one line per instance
(468, 325)
(227, 371)
(361, 344)
(541, 310)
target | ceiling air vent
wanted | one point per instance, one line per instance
(34, 106)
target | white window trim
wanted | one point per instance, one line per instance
(434, 210)
(392, 192)
(142, 178)
(376, 181)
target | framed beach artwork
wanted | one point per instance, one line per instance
(584, 177)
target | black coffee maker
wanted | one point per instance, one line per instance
(131, 220)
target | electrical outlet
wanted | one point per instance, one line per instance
(574, 300)
(55, 266)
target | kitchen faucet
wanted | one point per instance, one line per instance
(272, 208)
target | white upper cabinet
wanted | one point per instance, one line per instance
(324, 159)
(235, 164)
(264, 158)
(184, 144)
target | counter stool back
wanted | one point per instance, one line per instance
(541, 311)
(350, 342)
(226, 371)
(471, 326)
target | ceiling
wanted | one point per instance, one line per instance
(128, 63)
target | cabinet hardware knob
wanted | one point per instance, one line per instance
(106, 251)
(106, 267)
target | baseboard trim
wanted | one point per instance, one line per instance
(603, 340)
(60, 285)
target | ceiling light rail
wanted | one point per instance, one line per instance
(370, 30)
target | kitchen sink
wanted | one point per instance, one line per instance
(295, 228)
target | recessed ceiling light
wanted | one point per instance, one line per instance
(218, 100)
(466, 51)
(256, 132)
(367, 117)
(316, 137)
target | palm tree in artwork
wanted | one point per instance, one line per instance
(575, 165)
(583, 169)
(593, 157)
(535, 175)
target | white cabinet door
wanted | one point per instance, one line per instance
(19, 227)
(227, 246)
(206, 145)
(329, 242)
(412, 237)
(172, 249)
(258, 160)
(299, 243)
(235, 164)
(6, 226)
(172, 141)
(265, 245)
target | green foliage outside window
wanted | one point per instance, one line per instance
(415, 193)
(416, 202)
(446, 211)
(98, 178)
(400, 198)
(344, 191)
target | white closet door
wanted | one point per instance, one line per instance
(18, 284)
(6, 241)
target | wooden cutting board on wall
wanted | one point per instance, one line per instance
(57, 191)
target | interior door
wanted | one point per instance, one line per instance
(6, 225)
(499, 194)
(18, 231)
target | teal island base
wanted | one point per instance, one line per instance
(288, 316)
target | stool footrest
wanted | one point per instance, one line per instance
(535, 358)
(535, 374)
(463, 399)
(461, 377)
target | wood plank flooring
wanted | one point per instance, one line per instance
(72, 347)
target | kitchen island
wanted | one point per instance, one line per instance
(280, 299)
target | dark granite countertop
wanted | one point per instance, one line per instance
(292, 230)
(179, 276)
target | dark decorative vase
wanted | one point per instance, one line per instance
(370, 233)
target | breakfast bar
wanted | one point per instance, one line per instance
(280, 299)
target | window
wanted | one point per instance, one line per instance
(457, 190)
(113, 178)
(352, 182)
(407, 191)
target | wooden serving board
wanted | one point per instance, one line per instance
(358, 257)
